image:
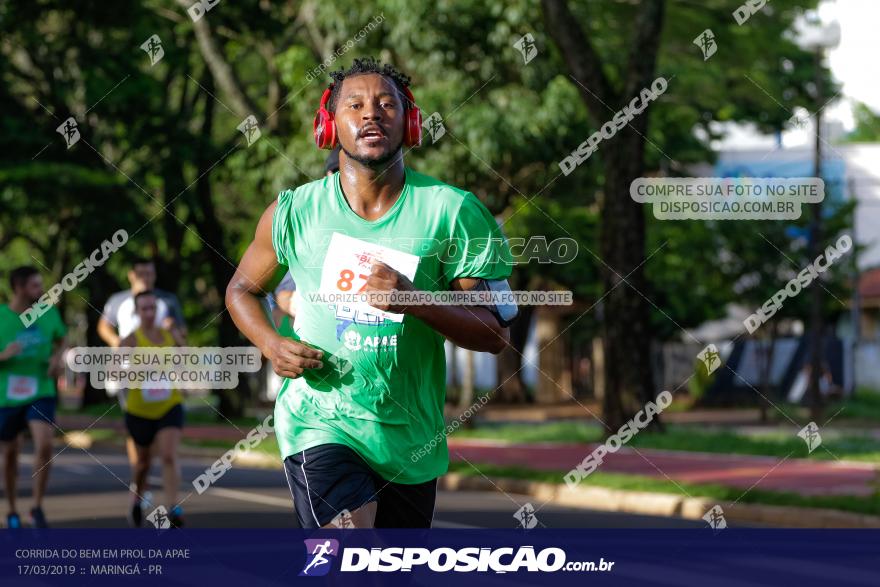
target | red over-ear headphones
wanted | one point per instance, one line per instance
(324, 127)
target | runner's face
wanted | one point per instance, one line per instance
(146, 309)
(142, 277)
(32, 289)
(370, 118)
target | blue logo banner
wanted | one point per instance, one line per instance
(435, 557)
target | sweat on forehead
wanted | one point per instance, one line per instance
(342, 90)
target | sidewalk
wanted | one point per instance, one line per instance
(222, 432)
(743, 420)
(801, 476)
(588, 410)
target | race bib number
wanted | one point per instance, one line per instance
(159, 394)
(19, 387)
(347, 267)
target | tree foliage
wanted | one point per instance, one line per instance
(161, 156)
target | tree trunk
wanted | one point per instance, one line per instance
(554, 377)
(232, 401)
(767, 370)
(168, 264)
(629, 381)
(511, 387)
(221, 70)
(626, 328)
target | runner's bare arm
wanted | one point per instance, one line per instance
(56, 359)
(470, 327)
(178, 335)
(254, 274)
(11, 350)
(107, 332)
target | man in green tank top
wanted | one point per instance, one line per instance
(359, 416)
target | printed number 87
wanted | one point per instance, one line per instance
(345, 278)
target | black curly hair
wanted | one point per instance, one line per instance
(364, 66)
(20, 276)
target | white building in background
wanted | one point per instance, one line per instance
(851, 171)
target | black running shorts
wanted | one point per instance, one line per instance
(144, 430)
(328, 479)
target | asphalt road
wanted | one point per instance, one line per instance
(89, 490)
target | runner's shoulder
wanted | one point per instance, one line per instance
(51, 322)
(118, 297)
(303, 194)
(441, 193)
(8, 317)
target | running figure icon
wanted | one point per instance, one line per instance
(319, 552)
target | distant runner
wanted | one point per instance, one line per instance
(153, 417)
(119, 318)
(30, 360)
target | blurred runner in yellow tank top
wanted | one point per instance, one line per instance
(153, 417)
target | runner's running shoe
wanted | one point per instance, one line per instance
(38, 518)
(13, 521)
(135, 514)
(176, 517)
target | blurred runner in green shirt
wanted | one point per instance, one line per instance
(30, 360)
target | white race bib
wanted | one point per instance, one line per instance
(19, 387)
(159, 394)
(347, 267)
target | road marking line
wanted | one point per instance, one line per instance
(253, 497)
(442, 524)
(236, 494)
(78, 469)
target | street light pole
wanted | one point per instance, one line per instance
(856, 312)
(816, 318)
(817, 38)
